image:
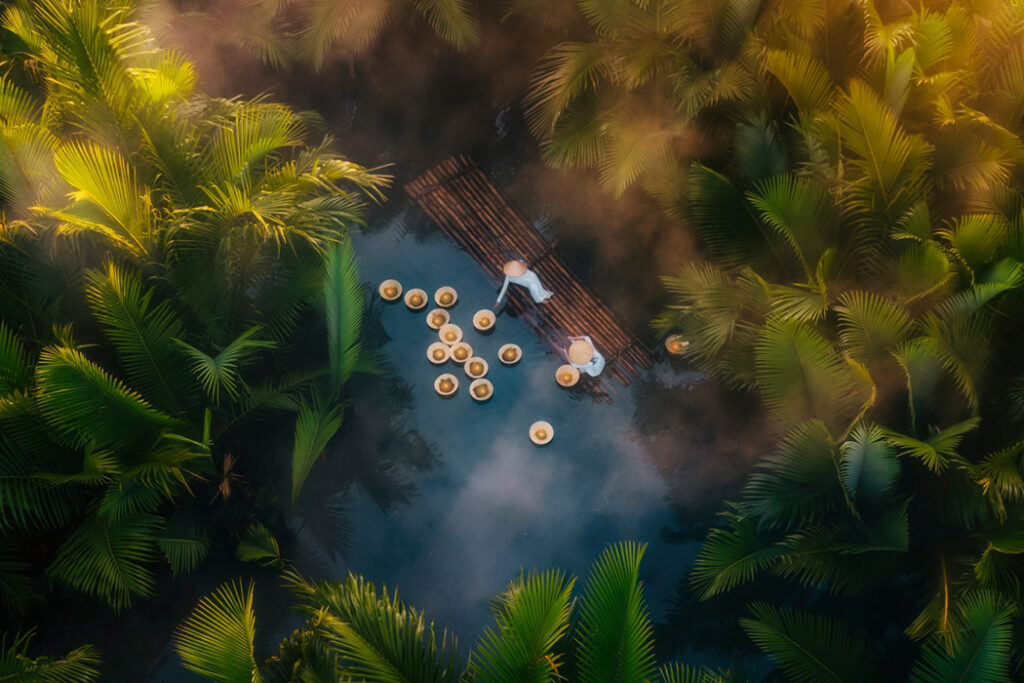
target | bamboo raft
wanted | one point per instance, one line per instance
(460, 198)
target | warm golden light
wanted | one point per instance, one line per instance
(509, 354)
(541, 434)
(438, 320)
(476, 367)
(446, 298)
(675, 344)
(450, 336)
(461, 353)
(438, 354)
(391, 292)
(485, 322)
(416, 300)
(481, 390)
(446, 385)
(566, 378)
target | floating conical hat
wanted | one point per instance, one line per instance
(580, 352)
(514, 268)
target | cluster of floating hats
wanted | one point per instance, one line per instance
(451, 346)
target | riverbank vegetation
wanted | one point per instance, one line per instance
(853, 171)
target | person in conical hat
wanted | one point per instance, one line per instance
(584, 357)
(518, 273)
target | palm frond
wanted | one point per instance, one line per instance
(221, 372)
(87, 406)
(454, 20)
(983, 653)
(144, 333)
(804, 77)
(377, 636)
(802, 376)
(799, 483)
(614, 638)
(937, 451)
(80, 665)
(809, 647)
(15, 371)
(343, 301)
(868, 467)
(108, 559)
(532, 618)
(259, 545)
(731, 556)
(871, 326)
(183, 543)
(800, 212)
(216, 640)
(316, 424)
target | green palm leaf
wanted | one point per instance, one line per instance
(216, 641)
(977, 238)
(731, 556)
(108, 195)
(343, 300)
(614, 638)
(723, 218)
(87, 406)
(680, 673)
(798, 484)
(183, 543)
(938, 450)
(316, 424)
(871, 326)
(108, 559)
(809, 647)
(532, 617)
(800, 211)
(221, 372)
(867, 465)
(801, 376)
(15, 371)
(80, 665)
(260, 546)
(144, 333)
(983, 652)
(453, 20)
(378, 637)
(804, 77)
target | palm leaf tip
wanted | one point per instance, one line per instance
(216, 640)
(615, 638)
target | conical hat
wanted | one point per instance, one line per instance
(580, 352)
(514, 268)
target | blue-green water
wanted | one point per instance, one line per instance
(495, 502)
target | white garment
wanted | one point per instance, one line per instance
(529, 280)
(595, 365)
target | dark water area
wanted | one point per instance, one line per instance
(448, 499)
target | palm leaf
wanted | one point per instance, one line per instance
(87, 406)
(938, 450)
(220, 373)
(343, 300)
(183, 543)
(15, 371)
(108, 559)
(871, 326)
(799, 483)
(614, 639)
(216, 641)
(144, 333)
(801, 376)
(260, 546)
(731, 556)
(80, 665)
(316, 424)
(532, 618)
(376, 635)
(868, 467)
(983, 653)
(453, 20)
(800, 211)
(809, 647)
(804, 77)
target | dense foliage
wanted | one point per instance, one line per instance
(854, 170)
(158, 251)
(542, 632)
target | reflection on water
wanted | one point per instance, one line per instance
(486, 501)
